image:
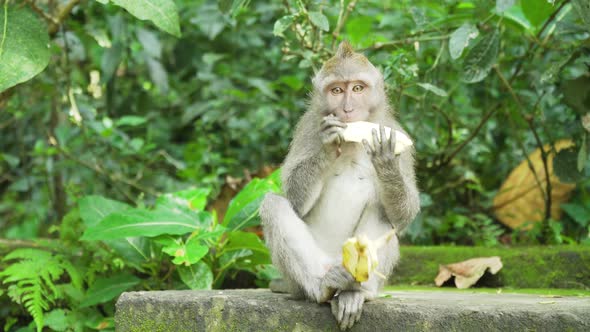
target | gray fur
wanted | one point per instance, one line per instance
(334, 191)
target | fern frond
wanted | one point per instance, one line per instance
(32, 277)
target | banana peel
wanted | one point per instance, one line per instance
(359, 255)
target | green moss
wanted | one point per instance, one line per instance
(524, 267)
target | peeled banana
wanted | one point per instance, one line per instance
(359, 255)
(359, 130)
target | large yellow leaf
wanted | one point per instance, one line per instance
(520, 198)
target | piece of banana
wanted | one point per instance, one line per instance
(359, 255)
(359, 130)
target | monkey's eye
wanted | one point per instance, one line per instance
(337, 90)
(358, 88)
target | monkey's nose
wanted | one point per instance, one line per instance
(348, 110)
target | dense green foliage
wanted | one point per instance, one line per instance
(117, 136)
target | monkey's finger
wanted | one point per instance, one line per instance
(375, 141)
(334, 306)
(368, 147)
(333, 121)
(383, 139)
(392, 142)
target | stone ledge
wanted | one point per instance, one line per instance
(261, 310)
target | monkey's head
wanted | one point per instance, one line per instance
(349, 86)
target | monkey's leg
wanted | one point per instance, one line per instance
(347, 306)
(293, 249)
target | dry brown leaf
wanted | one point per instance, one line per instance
(468, 272)
(520, 199)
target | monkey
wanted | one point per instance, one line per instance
(333, 190)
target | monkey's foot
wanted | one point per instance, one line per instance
(347, 308)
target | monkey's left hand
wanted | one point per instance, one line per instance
(347, 308)
(383, 152)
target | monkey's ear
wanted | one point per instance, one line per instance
(344, 50)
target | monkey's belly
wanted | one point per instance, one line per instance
(340, 209)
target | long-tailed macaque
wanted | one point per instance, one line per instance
(335, 189)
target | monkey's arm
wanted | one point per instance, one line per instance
(308, 157)
(398, 192)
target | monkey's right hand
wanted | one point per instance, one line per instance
(331, 130)
(336, 279)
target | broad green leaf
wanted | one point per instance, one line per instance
(582, 7)
(503, 5)
(93, 209)
(158, 74)
(283, 24)
(516, 15)
(244, 207)
(139, 222)
(536, 11)
(434, 89)
(192, 199)
(358, 28)
(319, 20)
(107, 288)
(578, 212)
(240, 241)
(419, 16)
(162, 13)
(110, 60)
(24, 45)
(232, 7)
(480, 59)
(134, 250)
(576, 94)
(565, 165)
(130, 120)
(460, 39)
(186, 253)
(150, 42)
(197, 276)
(56, 320)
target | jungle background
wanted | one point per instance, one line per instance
(138, 137)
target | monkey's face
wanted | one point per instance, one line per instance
(352, 93)
(349, 100)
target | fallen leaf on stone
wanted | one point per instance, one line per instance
(468, 272)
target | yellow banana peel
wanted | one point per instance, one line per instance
(359, 255)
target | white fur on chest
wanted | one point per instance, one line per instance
(349, 186)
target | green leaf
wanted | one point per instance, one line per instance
(582, 155)
(158, 74)
(244, 242)
(192, 199)
(434, 89)
(283, 24)
(536, 11)
(56, 320)
(319, 20)
(138, 222)
(198, 276)
(582, 7)
(162, 13)
(503, 5)
(110, 60)
(130, 120)
(107, 288)
(93, 209)
(185, 253)
(24, 50)
(480, 59)
(578, 212)
(576, 93)
(516, 15)
(460, 39)
(243, 208)
(565, 165)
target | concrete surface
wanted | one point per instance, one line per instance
(261, 310)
